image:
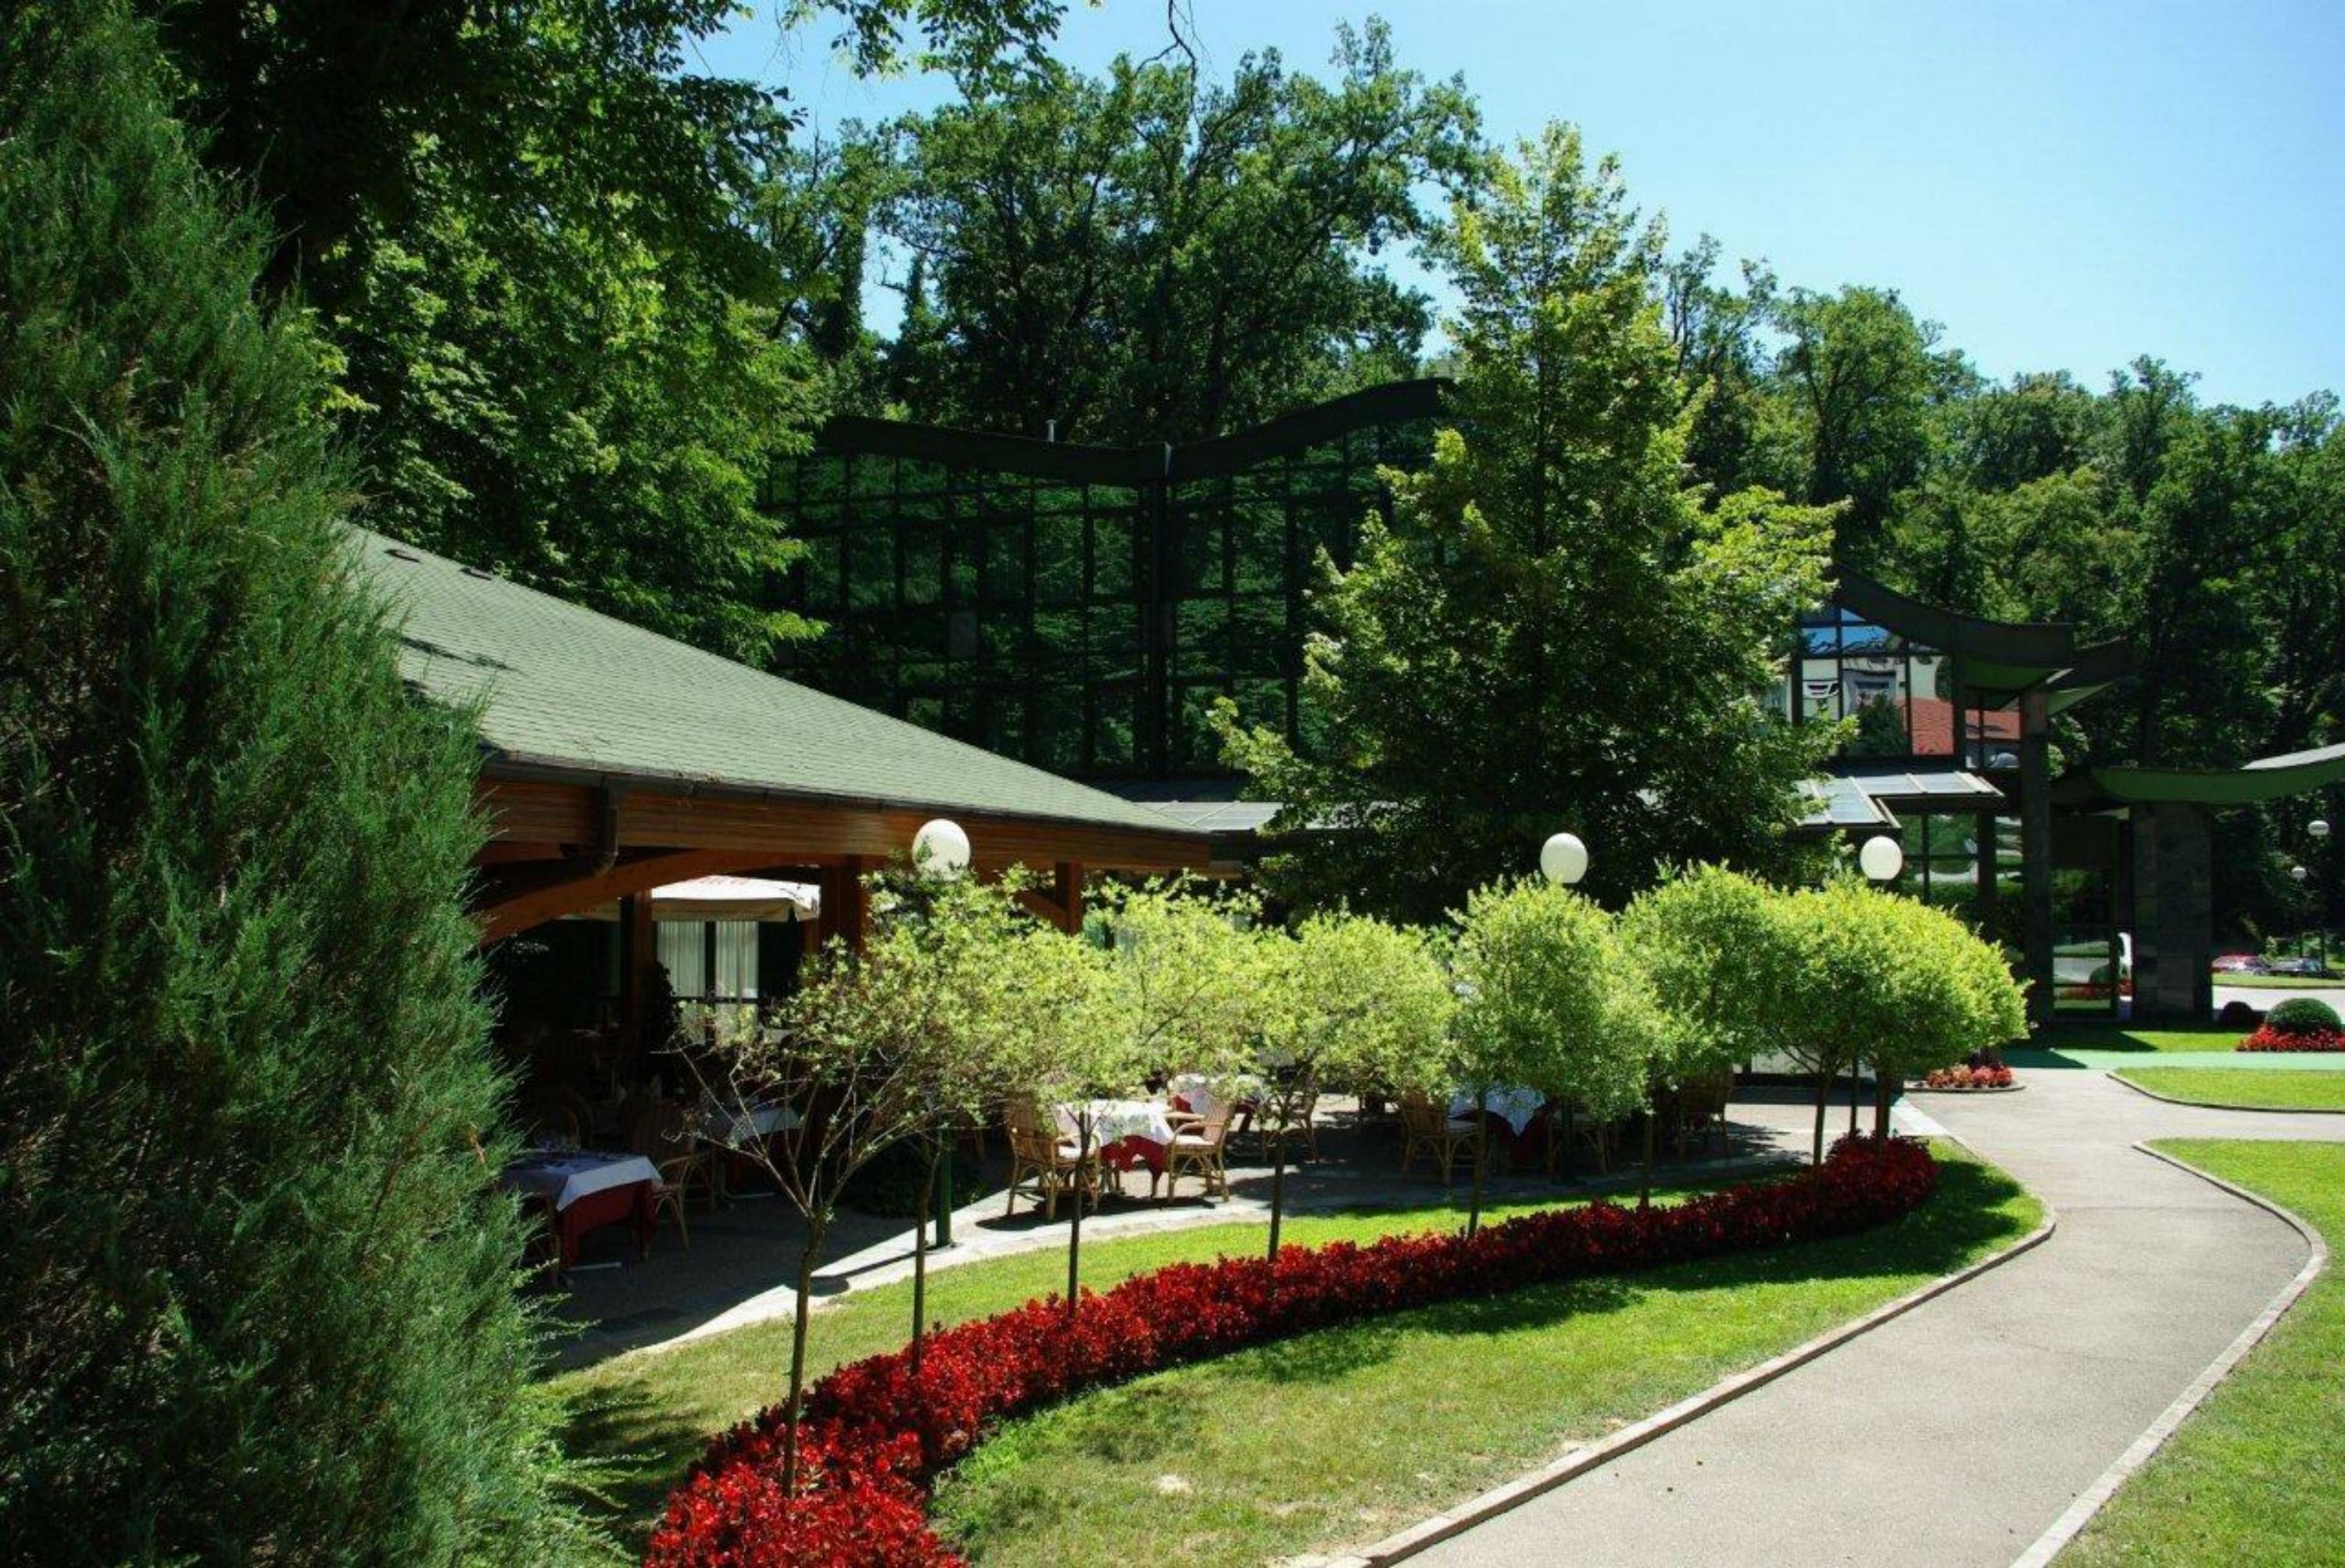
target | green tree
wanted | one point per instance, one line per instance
(1555, 629)
(257, 1283)
(1146, 255)
(1551, 1002)
(1860, 377)
(1349, 999)
(570, 334)
(1712, 944)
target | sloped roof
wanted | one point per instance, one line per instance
(2265, 779)
(564, 689)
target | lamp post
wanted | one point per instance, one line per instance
(941, 850)
(2318, 828)
(1880, 857)
(1563, 859)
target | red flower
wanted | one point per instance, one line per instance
(2269, 1038)
(877, 1434)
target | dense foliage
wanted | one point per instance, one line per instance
(880, 1431)
(1554, 629)
(257, 1287)
(2301, 1015)
(1147, 255)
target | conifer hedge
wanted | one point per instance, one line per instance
(256, 1283)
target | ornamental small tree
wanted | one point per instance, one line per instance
(1712, 946)
(1353, 998)
(1550, 999)
(893, 1041)
(1960, 999)
(256, 1281)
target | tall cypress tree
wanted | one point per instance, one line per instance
(256, 1283)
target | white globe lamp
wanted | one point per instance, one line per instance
(941, 848)
(1880, 859)
(2299, 872)
(1563, 859)
(2317, 827)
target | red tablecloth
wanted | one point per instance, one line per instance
(611, 1206)
(1125, 1153)
(1526, 1150)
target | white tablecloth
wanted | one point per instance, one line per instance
(1112, 1120)
(565, 1175)
(737, 1127)
(1198, 1090)
(1516, 1105)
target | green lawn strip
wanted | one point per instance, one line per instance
(2068, 1037)
(2278, 1089)
(2282, 982)
(1338, 1438)
(2252, 1476)
(643, 1417)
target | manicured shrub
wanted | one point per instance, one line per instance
(2303, 1015)
(256, 1282)
(879, 1431)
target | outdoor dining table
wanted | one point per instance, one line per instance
(1194, 1092)
(1516, 1116)
(587, 1190)
(739, 1132)
(1124, 1133)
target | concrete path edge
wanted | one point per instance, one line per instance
(1577, 1462)
(2118, 1074)
(2096, 1497)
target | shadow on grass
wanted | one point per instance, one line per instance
(644, 1449)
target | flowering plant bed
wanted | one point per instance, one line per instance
(877, 1434)
(1990, 1078)
(2269, 1038)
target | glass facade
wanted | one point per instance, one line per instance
(1082, 608)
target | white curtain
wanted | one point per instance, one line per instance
(685, 955)
(737, 958)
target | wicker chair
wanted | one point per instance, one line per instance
(552, 1120)
(1701, 1110)
(1036, 1150)
(1304, 1105)
(1426, 1128)
(1198, 1144)
(664, 1134)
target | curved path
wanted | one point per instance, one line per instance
(1957, 1433)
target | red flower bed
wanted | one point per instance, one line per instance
(876, 1434)
(2269, 1038)
(1993, 1075)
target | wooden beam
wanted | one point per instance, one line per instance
(536, 894)
(845, 913)
(1062, 903)
(638, 951)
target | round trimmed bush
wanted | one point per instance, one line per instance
(2301, 1015)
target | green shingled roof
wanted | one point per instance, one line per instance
(563, 688)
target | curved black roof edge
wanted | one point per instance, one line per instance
(1076, 462)
(2048, 646)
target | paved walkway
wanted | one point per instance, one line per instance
(1957, 1433)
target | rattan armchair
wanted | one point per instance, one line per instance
(1199, 1146)
(1056, 1164)
(1426, 1128)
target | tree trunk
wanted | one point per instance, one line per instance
(1277, 1189)
(920, 1263)
(798, 1356)
(1823, 1103)
(1075, 1229)
(1481, 1159)
(1855, 1092)
(1883, 1092)
(1571, 1161)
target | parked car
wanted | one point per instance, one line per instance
(2306, 966)
(2241, 963)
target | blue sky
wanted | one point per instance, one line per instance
(2061, 186)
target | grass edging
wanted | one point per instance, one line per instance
(1578, 1461)
(2096, 1497)
(2118, 1074)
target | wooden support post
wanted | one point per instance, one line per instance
(845, 902)
(1069, 878)
(638, 951)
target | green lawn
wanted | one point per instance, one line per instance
(2124, 1037)
(1336, 1439)
(645, 1416)
(1338, 1436)
(2253, 1476)
(2279, 982)
(2278, 1088)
